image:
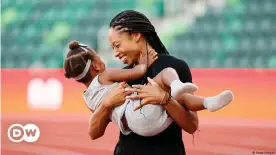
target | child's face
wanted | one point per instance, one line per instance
(99, 65)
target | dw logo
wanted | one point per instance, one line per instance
(29, 133)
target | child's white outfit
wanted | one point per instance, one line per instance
(149, 121)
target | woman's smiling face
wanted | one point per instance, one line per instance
(125, 45)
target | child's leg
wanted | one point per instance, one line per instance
(196, 103)
(168, 79)
(191, 102)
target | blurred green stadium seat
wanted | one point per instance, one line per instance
(272, 62)
(243, 33)
(36, 33)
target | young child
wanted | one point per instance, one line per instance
(85, 66)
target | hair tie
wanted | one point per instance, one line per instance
(87, 66)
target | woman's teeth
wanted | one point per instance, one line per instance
(124, 59)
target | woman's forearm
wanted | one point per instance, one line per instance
(101, 116)
(99, 121)
(186, 119)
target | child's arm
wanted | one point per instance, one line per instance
(116, 74)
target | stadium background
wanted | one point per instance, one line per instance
(229, 44)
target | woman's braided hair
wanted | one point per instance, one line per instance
(132, 21)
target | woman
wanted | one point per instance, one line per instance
(127, 49)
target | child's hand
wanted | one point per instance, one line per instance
(148, 59)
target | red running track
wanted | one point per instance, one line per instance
(67, 135)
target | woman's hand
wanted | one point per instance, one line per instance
(116, 96)
(150, 94)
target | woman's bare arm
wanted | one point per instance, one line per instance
(101, 117)
(186, 119)
(99, 121)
